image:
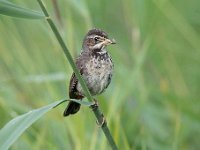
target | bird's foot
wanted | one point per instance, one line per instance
(95, 105)
(101, 121)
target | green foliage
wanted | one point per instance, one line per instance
(152, 102)
(9, 9)
(14, 128)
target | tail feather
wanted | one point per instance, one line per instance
(72, 108)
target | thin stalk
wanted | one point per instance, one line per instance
(97, 112)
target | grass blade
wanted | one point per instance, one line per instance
(9, 9)
(14, 128)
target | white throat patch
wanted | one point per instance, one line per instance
(103, 51)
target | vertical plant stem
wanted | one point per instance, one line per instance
(97, 112)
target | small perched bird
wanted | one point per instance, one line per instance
(95, 66)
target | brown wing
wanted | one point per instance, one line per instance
(73, 92)
(74, 107)
(72, 87)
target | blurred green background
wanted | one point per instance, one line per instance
(152, 102)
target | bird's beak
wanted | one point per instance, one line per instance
(104, 43)
(109, 41)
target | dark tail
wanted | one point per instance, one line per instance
(72, 108)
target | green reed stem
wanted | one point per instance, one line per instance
(98, 113)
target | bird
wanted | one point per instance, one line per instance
(95, 66)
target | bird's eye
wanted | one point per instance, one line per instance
(96, 39)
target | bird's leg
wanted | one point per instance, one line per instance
(101, 120)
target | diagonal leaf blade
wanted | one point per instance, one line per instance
(84, 103)
(9, 9)
(14, 128)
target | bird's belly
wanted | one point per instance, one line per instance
(98, 82)
(98, 76)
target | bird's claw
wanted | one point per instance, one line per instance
(94, 105)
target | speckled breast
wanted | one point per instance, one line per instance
(98, 73)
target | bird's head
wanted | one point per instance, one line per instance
(96, 39)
